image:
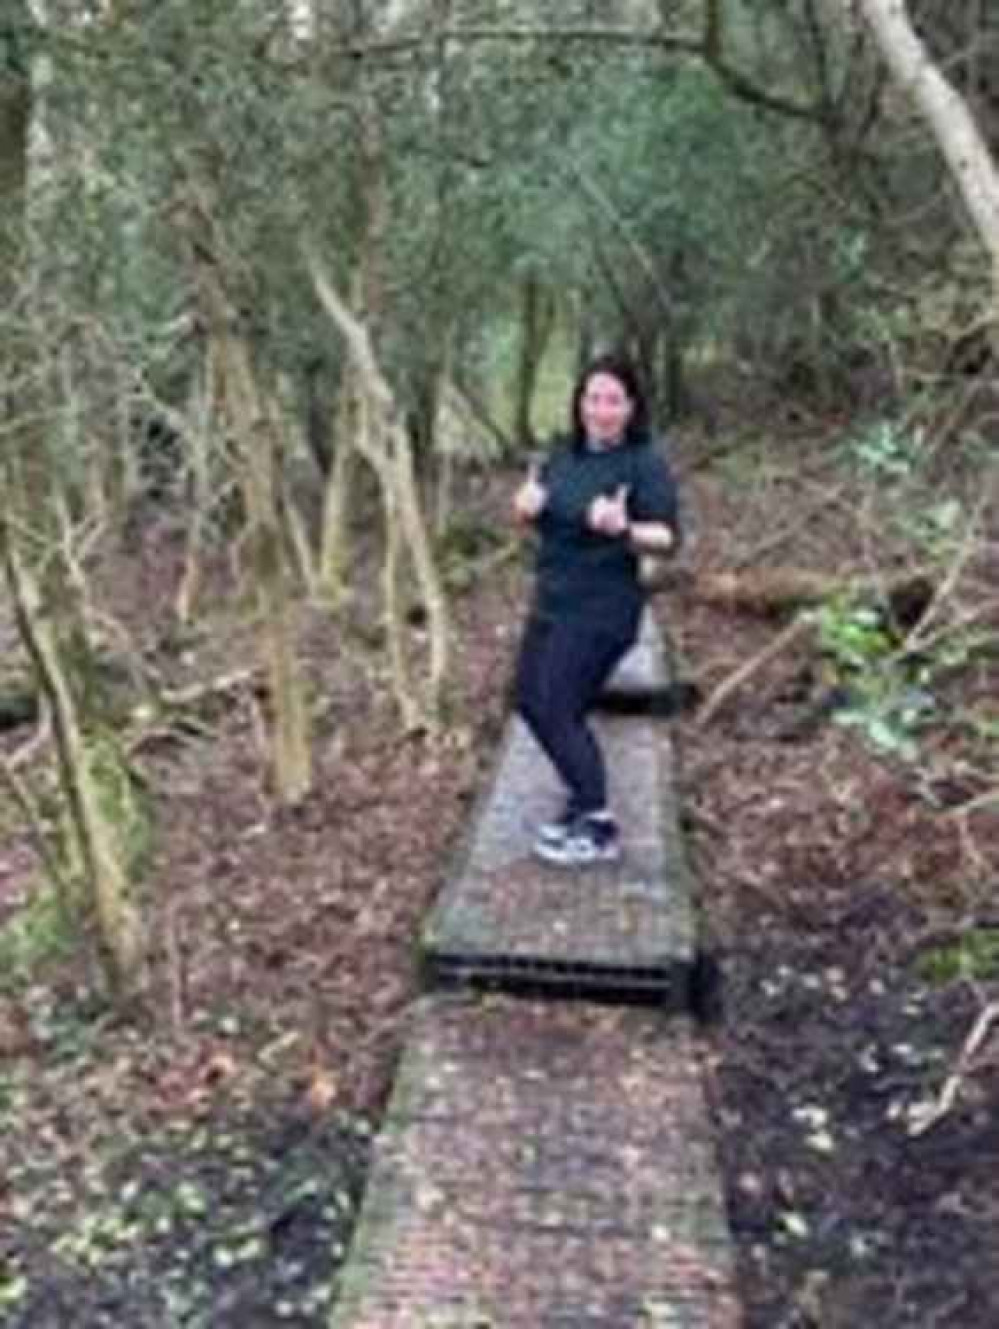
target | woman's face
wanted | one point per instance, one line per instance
(605, 408)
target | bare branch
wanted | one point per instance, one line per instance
(707, 48)
(354, 333)
(796, 629)
(926, 1115)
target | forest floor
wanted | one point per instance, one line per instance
(200, 1163)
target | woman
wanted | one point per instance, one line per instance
(600, 502)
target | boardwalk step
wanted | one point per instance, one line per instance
(542, 1167)
(624, 932)
(645, 682)
(642, 677)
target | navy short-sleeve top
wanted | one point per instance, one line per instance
(581, 573)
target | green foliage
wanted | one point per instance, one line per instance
(891, 691)
(890, 720)
(985, 727)
(13, 1289)
(893, 456)
(47, 926)
(622, 176)
(38, 933)
(892, 680)
(17, 39)
(973, 957)
(124, 805)
(123, 802)
(464, 545)
(468, 538)
(853, 634)
(937, 526)
(889, 702)
(884, 449)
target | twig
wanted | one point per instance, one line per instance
(508, 552)
(197, 692)
(149, 729)
(927, 1115)
(175, 972)
(777, 538)
(35, 822)
(945, 588)
(42, 734)
(977, 803)
(794, 630)
(464, 396)
(137, 741)
(966, 618)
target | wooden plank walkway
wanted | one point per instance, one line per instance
(624, 932)
(543, 1166)
(548, 1164)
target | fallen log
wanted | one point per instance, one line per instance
(903, 597)
(19, 703)
(773, 591)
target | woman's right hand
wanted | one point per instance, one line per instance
(529, 500)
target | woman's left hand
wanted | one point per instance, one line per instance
(609, 516)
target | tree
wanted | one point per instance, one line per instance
(36, 540)
(109, 903)
(950, 121)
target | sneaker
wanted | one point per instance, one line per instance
(588, 840)
(555, 831)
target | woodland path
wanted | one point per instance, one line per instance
(547, 1158)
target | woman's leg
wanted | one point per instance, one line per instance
(532, 684)
(562, 670)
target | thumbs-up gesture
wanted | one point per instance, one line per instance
(609, 516)
(529, 500)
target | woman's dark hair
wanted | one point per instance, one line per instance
(621, 369)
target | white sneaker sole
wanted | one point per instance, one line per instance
(564, 857)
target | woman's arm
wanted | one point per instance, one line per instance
(655, 528)
(610, 517)
(530, 497)
(651, 537)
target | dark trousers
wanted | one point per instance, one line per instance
(561, 672)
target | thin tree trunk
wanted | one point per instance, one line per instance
(290, 747)
(25, 487)
(949, 118)
(189, 586)
(537, 321)
(118, 929)
(15, 125)
(251, 419)
(394, 615)
(297, 549)
(382, 436)
(385, 444)
(334, 548)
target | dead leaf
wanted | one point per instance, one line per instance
(322, 1092)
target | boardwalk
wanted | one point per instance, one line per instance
(611, 931)
(547, 1161)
